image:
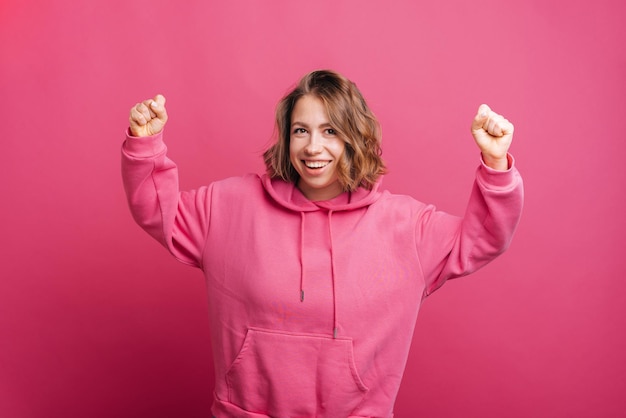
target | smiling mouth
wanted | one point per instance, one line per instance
(316, 164)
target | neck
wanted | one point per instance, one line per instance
(317, 195)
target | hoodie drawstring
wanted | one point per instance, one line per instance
(332, 270)
(301, 257)
(332, 267)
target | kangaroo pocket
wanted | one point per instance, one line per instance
(284, 374)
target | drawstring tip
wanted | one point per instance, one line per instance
(301, 295)
(335, 332)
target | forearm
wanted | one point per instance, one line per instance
(493, 211)
(151, 184)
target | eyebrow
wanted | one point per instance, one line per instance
(304, 125)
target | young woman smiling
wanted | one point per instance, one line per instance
(314, 274)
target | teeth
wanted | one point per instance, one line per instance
(316, 164)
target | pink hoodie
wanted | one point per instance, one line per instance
(313, 304)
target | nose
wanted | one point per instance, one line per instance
(314, 145)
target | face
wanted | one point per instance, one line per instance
(315, 149)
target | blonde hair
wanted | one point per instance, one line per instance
(350, 117)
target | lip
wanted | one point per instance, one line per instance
(316, 161)
(315, 171)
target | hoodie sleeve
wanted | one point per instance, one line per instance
(178, 220)
(450, 247)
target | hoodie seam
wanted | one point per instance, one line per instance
(419, 216)
(208, 203)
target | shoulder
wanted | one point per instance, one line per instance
(231, 194)
(399, 200)
(246, 186)
(246, 181)
(399, 204)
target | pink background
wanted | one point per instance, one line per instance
(97, 320)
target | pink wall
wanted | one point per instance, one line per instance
(96, 320)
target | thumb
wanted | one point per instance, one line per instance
(157, 105)
(482, 115)
(160, 99)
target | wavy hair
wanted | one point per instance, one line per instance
(361, 164)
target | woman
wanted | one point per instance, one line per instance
(315, 276)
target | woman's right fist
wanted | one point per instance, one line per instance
(149, 117)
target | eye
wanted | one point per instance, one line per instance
(331, 131)
(299, 131)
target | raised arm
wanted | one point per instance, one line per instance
(178, 220)
(452, 247)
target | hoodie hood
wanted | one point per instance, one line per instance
(290, 197)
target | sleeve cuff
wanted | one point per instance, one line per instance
(143, 147)
(496, 178)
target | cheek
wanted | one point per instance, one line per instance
(339, 147)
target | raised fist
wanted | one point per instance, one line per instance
(148, 117)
